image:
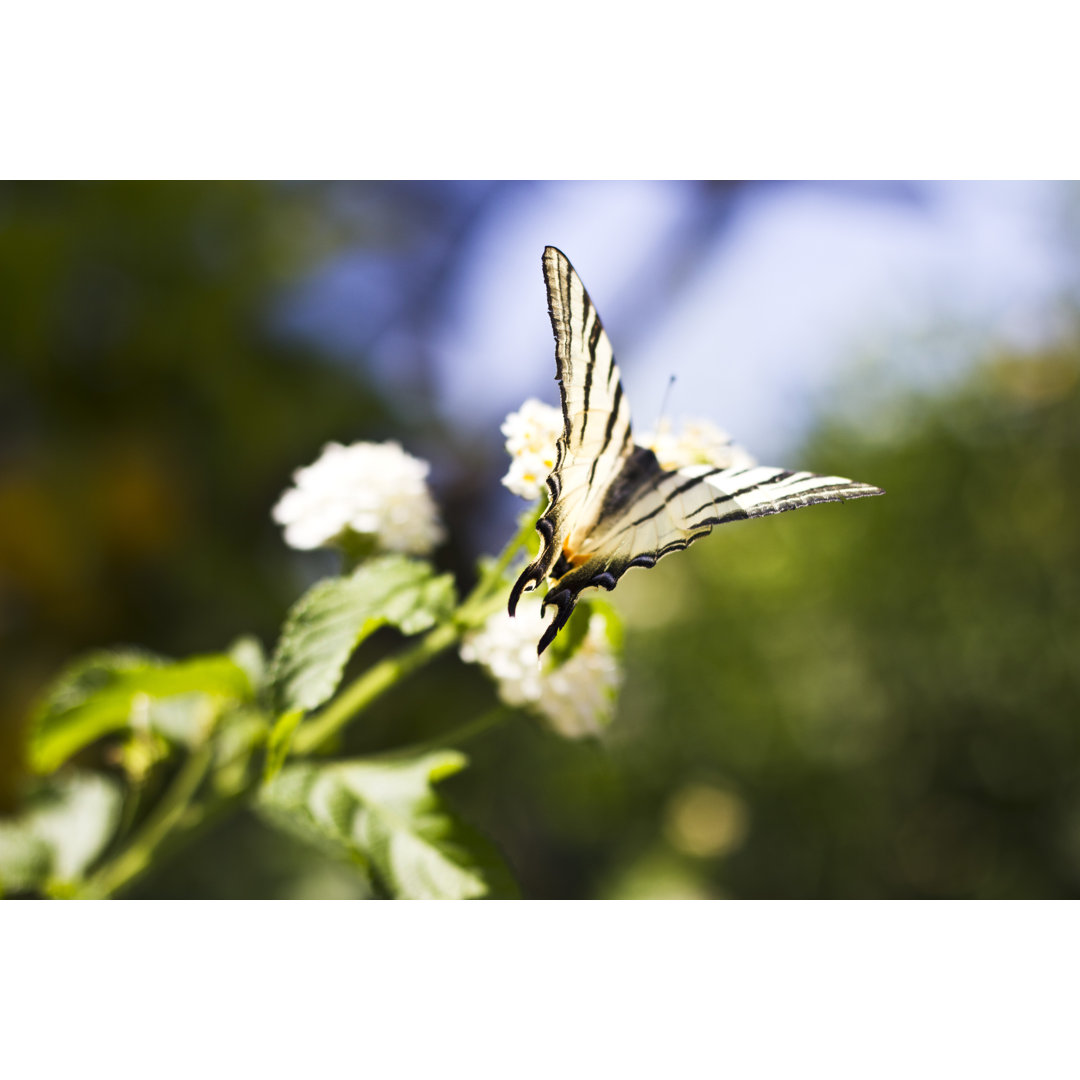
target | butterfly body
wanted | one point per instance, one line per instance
(612, 505)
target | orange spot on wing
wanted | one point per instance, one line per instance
(574, 559)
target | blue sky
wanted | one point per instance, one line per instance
(798, 286)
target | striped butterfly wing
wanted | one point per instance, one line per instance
(651, 512)
(596, 436)
(612, 505)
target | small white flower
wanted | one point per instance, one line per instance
(532, 430)
(376, 489)
(575, 698)
(579, 696)
(700, 442)
(530, 441)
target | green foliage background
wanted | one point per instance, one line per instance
(878, 699)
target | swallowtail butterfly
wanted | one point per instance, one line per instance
(612, 505)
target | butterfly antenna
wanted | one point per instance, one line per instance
(664, 402)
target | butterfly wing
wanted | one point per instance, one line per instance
(651, 512)
(596, 436)
(612, 505)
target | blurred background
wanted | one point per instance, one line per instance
(873, 700)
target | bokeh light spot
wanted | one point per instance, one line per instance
(706, 821)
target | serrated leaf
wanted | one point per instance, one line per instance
(385, 817)
(328, 623)
(97, 696)
(283, 803)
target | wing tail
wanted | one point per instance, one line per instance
(539, 568)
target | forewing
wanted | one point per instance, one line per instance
(596, 419)
(668, 511)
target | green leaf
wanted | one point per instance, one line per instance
(384, 817)
(613, 624)
(63, 829)
(328, 623)
(110, 691)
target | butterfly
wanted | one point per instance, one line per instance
(612, 506)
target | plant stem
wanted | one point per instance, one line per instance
(163, 819)
(374, 682)
(463, 733)
(177, 801)
(367, 687)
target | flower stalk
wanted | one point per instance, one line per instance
(163, 821)
(373, 683)
(365, 500)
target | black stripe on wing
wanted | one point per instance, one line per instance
(591, 394)
(583, 356)
(644, 493)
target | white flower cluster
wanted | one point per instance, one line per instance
(530, 441)
(575, 698)
(376, 489)
(700, 442)
(532, 430)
